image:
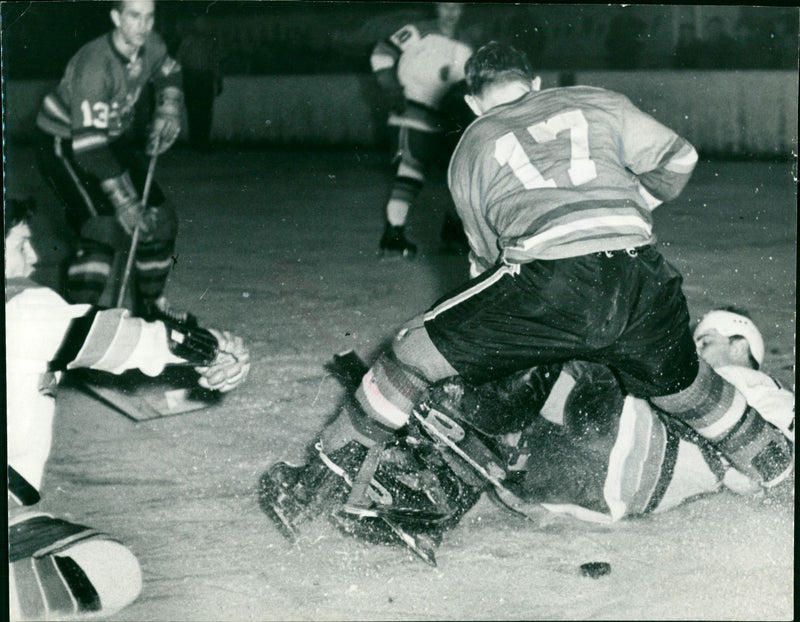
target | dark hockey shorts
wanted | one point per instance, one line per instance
(623, 309)
(80, 191)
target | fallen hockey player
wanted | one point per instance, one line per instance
(58, 569)
(561, 436)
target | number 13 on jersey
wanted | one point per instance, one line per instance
(508, 150)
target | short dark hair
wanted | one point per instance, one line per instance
(495, 63)
(17, 211)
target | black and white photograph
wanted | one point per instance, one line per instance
(328, 310)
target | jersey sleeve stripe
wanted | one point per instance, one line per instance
(89, 141)
(56, 108)
(684, 161)
(109, 342)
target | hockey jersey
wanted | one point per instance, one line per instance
(654, 464)
(564, 172)
(428, 64)
(45, 335)
(94, 102)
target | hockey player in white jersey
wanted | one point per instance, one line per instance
(59, 569)
(416, 67)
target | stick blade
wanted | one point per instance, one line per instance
(141, 398)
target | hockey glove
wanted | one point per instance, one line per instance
(230, 366)
(123, 197)
(166, 125)
(188, 341)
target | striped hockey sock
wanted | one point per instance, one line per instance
(153, 265)
(88, 273)
(719, 412)
(390, 390)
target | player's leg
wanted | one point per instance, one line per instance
(381, 406)
(414, 152)
(89, 215)
(61, 570)
(463, 323)
(155, 250)
(657, 360)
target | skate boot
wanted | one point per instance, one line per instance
(291, 495)
(159, 309)
(454, 240)
(394, 242)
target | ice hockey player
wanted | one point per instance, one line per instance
(90, 154)
(562, 436)
(565, 267)
(417, 68)
(58, 569)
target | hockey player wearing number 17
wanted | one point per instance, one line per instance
(555, 189)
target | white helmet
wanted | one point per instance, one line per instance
(732, 324)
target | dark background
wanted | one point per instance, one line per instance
(277, 37)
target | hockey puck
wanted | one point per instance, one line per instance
(595, 570)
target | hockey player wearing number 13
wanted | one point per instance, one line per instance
(90, 155)
(555, 189)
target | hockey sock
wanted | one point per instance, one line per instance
(153, 264)
(352, 424)
(719, 412)
(88, 273)
(397, 212)
(58, 569)
(390, 390)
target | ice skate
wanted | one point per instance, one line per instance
(291, 495)
(394, 242)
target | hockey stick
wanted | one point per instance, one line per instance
(148, 182)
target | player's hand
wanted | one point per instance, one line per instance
(164, 131)
(122, 195)
(131, 216)
(231, 366)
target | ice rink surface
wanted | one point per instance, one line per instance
(280, 247)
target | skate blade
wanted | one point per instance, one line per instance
(267, 501)
(421, 549)
(416, 544)
(384, 255)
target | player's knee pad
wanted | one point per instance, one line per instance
(105, 231)
(413, 348)
(60, 570)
